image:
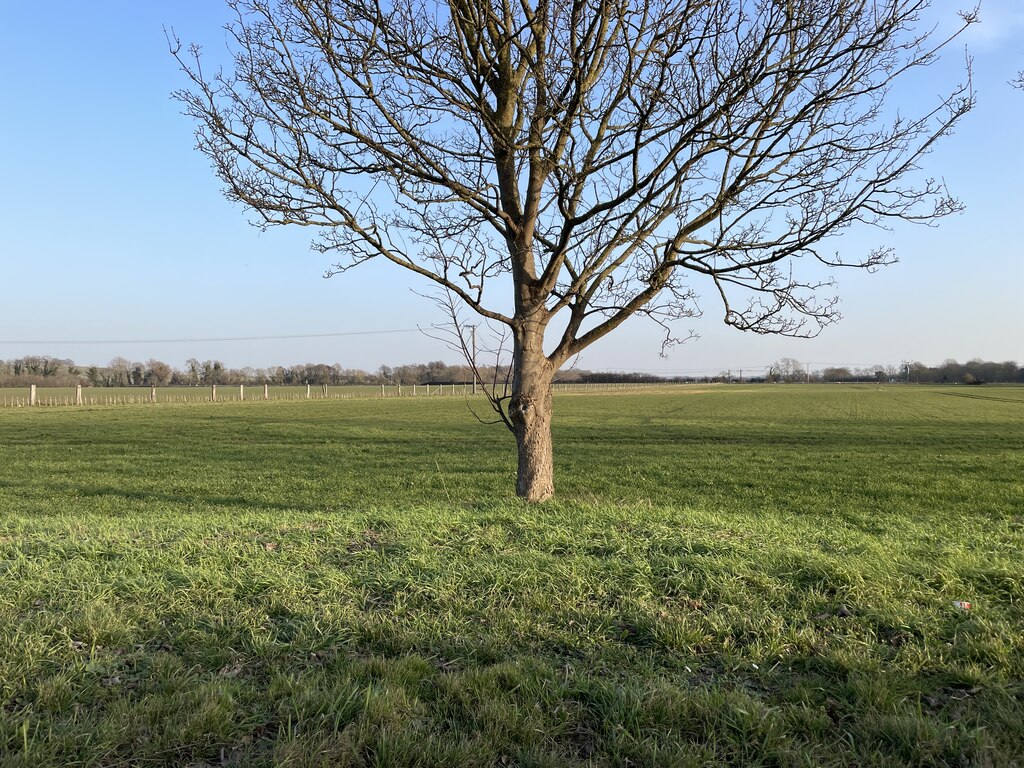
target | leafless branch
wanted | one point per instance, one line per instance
(461, 337)
(585, 160)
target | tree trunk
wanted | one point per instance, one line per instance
(530, 414)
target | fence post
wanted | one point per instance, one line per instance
(78, 395)
(241, 391)
(152, 394)
(32, 394)
(307, 391)
(213, 392)
(266, 391)
(381, 390)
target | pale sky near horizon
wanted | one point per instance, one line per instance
(114, 228)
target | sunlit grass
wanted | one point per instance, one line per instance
(756, 576)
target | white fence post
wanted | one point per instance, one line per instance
(266, 391)
(213, 393)
(241, 391)
(32, 394)
(78, 395)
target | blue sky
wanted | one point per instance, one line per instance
(112, 227)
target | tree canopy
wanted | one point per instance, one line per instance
(558, 166)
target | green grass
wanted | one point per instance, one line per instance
(730, 575)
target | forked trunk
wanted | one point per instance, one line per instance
(530, 414)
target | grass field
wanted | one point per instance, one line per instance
(730, 575)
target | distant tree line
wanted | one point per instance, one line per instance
(972, 372)
(975, 371)
(40, 370)
(121, 372)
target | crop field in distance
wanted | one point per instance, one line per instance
(790, 575)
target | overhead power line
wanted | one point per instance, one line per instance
(205, 340)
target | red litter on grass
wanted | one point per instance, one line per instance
(963, 605)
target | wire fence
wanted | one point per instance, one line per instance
(34, 396)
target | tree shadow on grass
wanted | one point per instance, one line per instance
(145, 497)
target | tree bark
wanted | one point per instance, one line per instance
(530, 413)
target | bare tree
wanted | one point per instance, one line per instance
(788, 370)
(561, 165)
(158, 373)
